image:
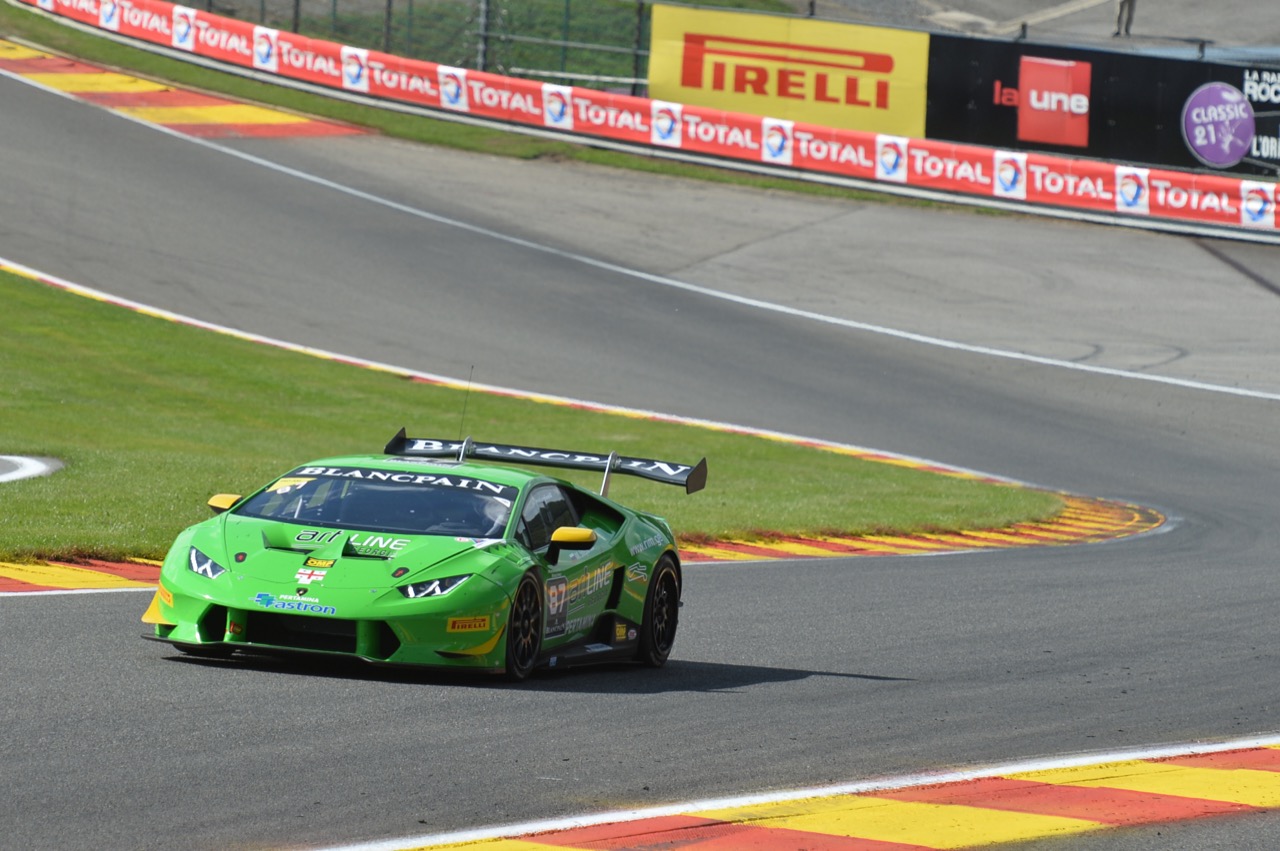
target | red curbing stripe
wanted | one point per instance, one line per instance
(1116, 807)
(835, 547)
(954, 541)
(870, 546)
(1048, 537)
(993, 539)
(745, 837)
(624, 830)
(130, 570)
(42, 65)
(168, 97)
(13, 585)
(1254, 759)
(674, 833)
(760, 550)
(301, 128)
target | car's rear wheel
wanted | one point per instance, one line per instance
(661, 614)
(524, 629)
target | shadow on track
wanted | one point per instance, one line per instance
(610, 678)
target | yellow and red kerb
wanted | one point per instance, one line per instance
(1017, 807)
(188, 112)
(1083, 520)
(91, 575)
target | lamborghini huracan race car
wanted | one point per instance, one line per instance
(422, 556)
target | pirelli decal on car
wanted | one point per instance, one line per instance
(476, 624)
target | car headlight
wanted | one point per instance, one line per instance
(434, 588)
(198, 562)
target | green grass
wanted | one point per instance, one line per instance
(152, 417)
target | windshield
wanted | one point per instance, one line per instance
(385, 501)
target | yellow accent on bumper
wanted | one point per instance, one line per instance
(485, 648)
(152, 614)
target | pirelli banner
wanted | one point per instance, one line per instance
(1106, 105)
(797, 69)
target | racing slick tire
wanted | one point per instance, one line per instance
(524, 630)
(661, 614)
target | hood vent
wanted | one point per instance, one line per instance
(290, 547)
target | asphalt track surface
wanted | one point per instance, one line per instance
(786, 674)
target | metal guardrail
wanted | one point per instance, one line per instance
(634, 82)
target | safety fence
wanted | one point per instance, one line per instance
(601, 43)
(1123, 192)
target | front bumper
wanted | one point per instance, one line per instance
(447, 638)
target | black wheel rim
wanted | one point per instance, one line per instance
(666, 601)
(525, 616)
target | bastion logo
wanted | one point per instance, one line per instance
(1052, 99)
(785, 70)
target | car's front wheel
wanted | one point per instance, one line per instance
(524, 629)
(661, 614)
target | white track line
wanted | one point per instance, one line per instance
(63, 591)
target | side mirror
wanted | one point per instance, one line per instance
(220, 502)
(570, 538)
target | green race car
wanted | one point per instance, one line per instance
(422, 556)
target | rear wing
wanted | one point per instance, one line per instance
(693, 479)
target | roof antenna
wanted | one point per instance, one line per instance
(463, 421)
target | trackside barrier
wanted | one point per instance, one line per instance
(1123, 192)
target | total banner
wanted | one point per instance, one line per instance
(892, 159)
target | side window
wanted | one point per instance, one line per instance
(598, 516)
(559, 512)
(546, 509)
